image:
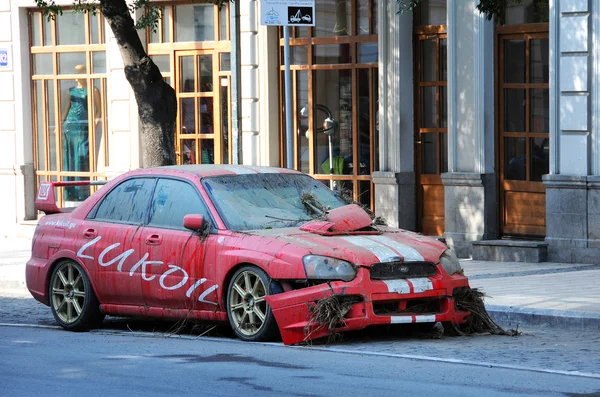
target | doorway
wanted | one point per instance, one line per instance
(431, 126)
(203, 106)
(523, 124)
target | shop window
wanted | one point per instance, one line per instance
(526, 11)
(68, 66)
(334, 77)
(70, 28)
(432, 13)
(194, 22)
(334, 18)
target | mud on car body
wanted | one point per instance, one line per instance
(256, 247)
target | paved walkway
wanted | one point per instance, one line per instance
(553, 294)
(14, 253)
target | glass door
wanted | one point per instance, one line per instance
(431, 122)
(523, 127)
(203, 106)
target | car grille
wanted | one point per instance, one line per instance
(413, 306)
(396, 270)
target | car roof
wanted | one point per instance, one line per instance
(209, 170)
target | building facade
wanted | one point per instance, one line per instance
(439, 120)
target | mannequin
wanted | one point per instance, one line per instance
(75, 119)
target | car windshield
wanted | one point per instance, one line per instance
(265, 201)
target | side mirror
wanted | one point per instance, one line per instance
(193, 222)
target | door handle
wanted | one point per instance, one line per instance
(154, 239)
(90, 233)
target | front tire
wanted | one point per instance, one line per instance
(72, 299)
(248, 313)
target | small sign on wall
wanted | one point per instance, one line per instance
(5, 58)
(287, 12)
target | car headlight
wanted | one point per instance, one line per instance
(326, 268)
(450, 263)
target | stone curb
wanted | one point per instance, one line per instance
(512, 316)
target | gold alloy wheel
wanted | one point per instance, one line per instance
(68, 293)
(247, 303)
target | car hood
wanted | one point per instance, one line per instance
(366, 248)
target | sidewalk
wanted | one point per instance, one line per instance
(14, 253)
(564, 295)
(551, 294)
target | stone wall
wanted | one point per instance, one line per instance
(573, 218)
(16, 168)
(470, 197)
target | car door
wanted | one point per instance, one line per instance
(178, 279)
(111, 248)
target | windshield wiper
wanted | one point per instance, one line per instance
(288, 220)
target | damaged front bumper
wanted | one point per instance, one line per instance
(372, 302)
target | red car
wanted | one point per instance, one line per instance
(258, 247)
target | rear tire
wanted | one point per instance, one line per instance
(248, 313)
(72, 298)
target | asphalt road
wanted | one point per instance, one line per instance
(151, 358)
(538, 348)
(51, 362)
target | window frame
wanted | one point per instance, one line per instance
(48, 86)
(306, 38)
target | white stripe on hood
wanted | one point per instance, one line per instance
(382, 252)
(409, 253)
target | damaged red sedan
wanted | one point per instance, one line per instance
(261, 248)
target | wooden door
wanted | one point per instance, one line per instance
(431, 127)
(523, 125)
(199, 135)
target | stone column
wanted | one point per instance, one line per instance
(395, 198)
(470, 184)
(572, 194)
(566, 216)
(470, 209)
(249, 89)
(124, 144)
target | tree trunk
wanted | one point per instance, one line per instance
(157, 104)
